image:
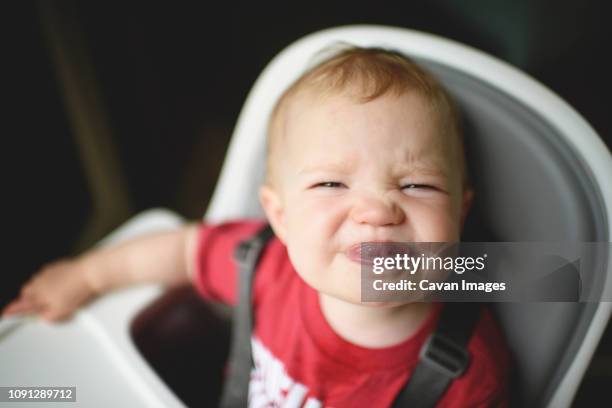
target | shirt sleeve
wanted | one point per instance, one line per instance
(215, 269)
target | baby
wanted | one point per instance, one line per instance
(364, 147)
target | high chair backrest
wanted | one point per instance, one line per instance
(539, 171)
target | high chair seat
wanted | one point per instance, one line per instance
(539, 171)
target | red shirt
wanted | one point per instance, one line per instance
(301, 361)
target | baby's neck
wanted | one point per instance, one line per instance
(371, 326)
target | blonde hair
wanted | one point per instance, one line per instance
(366, 74)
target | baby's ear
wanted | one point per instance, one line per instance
(275, 212)
(466, 204)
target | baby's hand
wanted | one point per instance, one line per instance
(54, 292)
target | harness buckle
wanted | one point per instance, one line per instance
(241, 252)
(444, 355)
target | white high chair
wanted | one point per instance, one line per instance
(540, 174)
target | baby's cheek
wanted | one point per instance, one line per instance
(313, 228)
(435, 224)
(321, 215)
(307, 258)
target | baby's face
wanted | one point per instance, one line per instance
(354, 172)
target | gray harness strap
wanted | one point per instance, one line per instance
(236, 387)
(443, 357)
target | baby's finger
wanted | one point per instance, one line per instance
(14, 307)
(20, 306)
(6, 310)
(10, 308)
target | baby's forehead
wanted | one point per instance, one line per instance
(311, 107)
(434, 153)
(327, 103)
(416, 131)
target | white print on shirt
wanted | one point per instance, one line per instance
(270, 384)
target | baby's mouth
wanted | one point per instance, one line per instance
(364, 253)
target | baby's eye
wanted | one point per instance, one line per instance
(329, 184)
(417, 186)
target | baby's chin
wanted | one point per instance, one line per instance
(383, 305)
(355, 299)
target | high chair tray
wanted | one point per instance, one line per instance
(92, 352)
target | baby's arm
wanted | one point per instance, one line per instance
(60, 287)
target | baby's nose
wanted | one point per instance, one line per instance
(377, 211)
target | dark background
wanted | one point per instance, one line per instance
(172, 77)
